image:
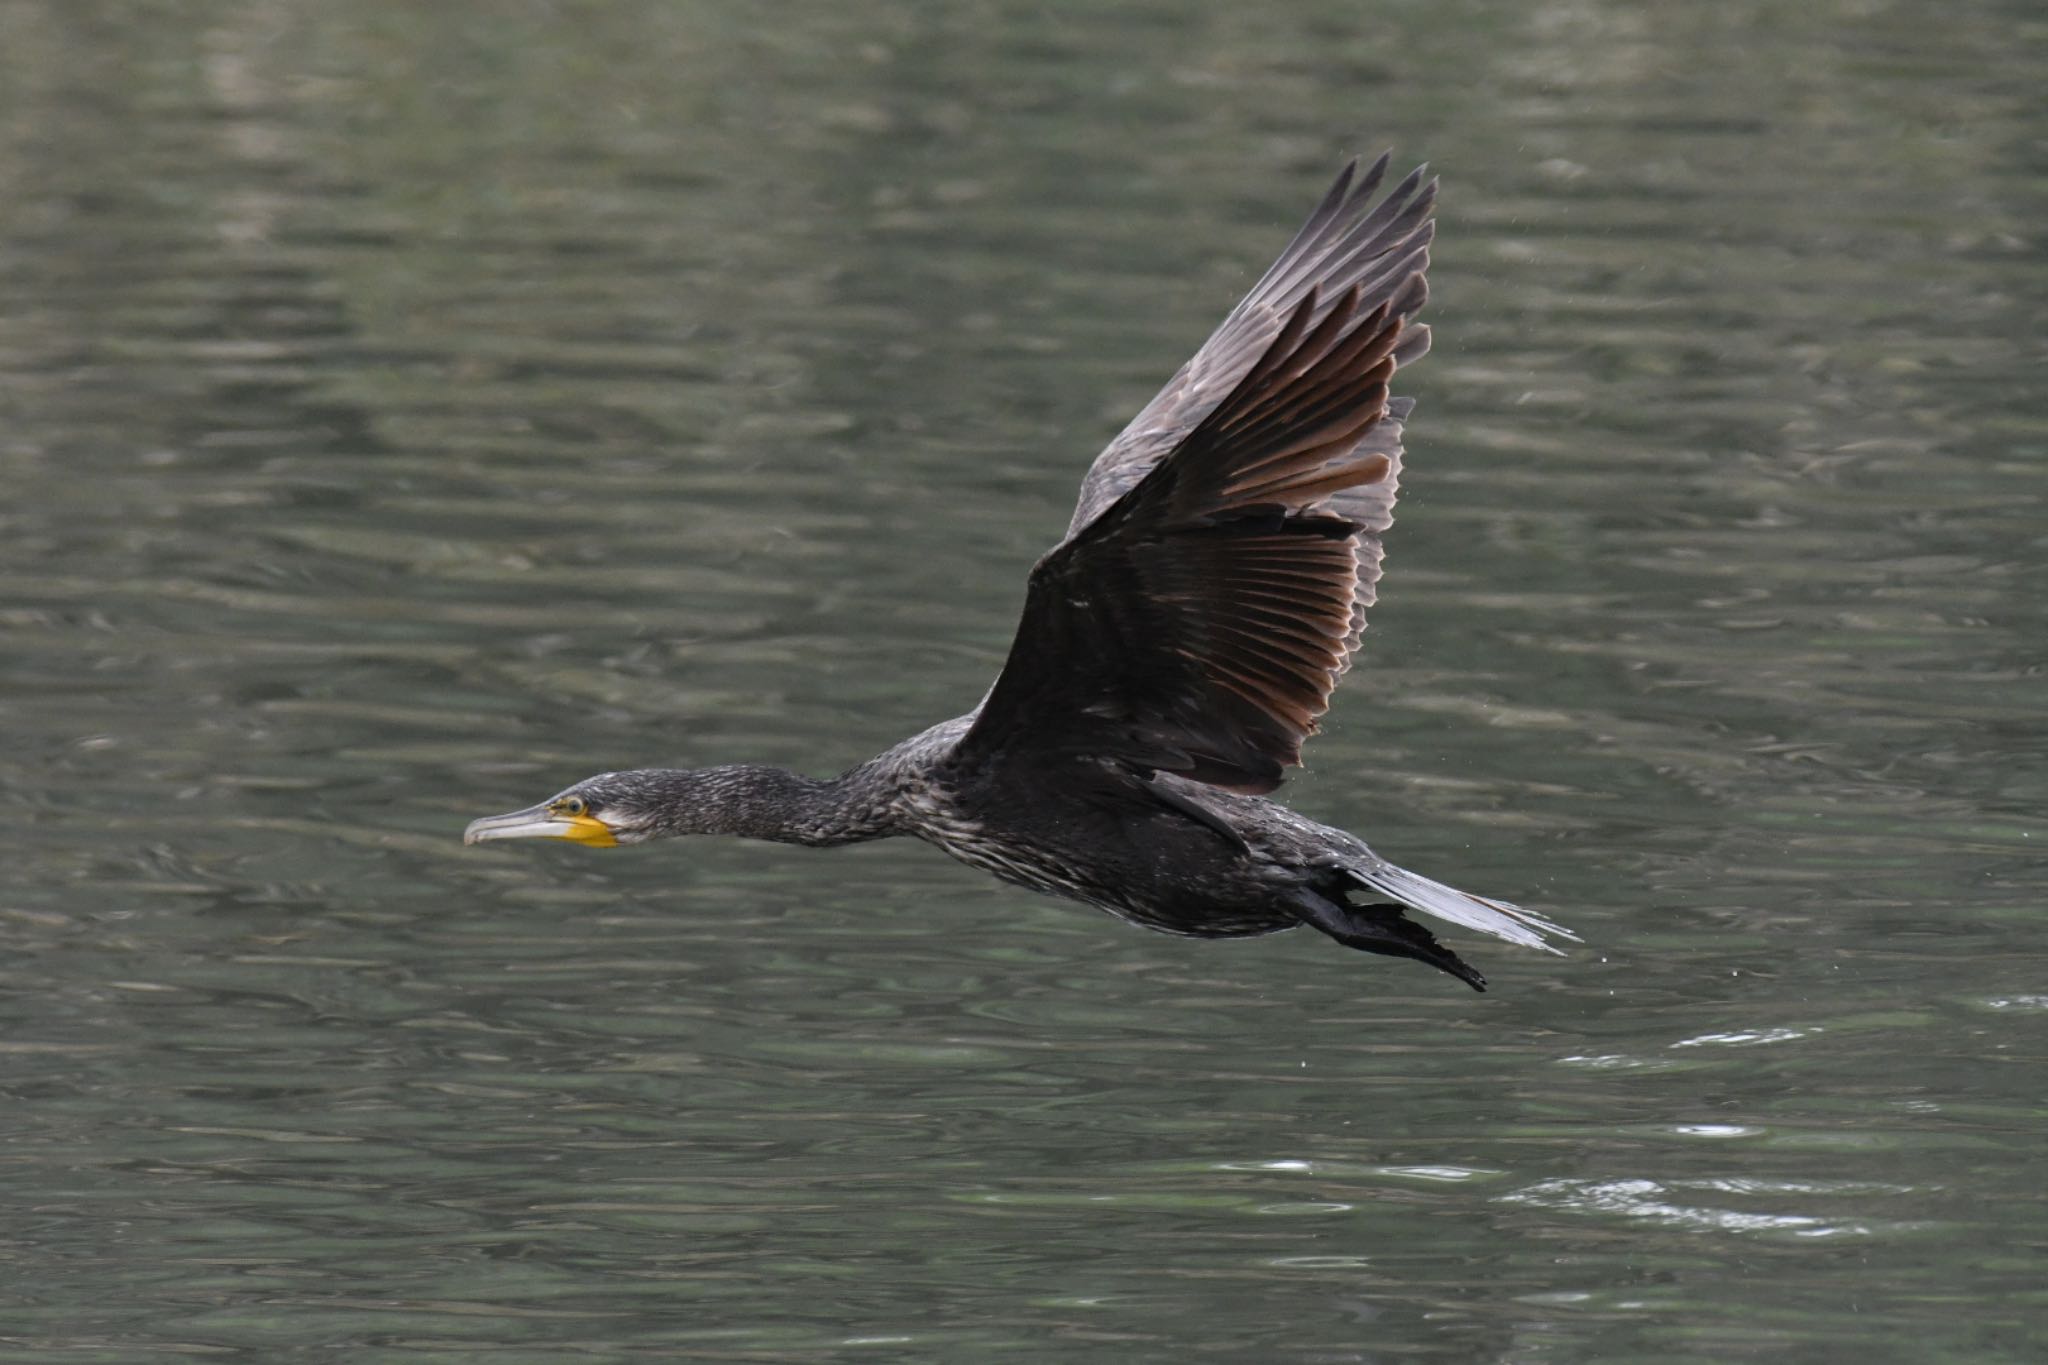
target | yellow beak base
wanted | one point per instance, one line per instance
(538, 822)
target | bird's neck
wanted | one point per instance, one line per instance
(755, 802)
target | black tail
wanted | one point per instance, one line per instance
(1382, 929)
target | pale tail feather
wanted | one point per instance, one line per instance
(1497, 918)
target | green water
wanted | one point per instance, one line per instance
(406, 410)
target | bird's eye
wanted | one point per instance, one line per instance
(570, 805)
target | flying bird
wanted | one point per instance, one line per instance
(1176, 647)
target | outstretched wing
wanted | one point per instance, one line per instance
(1201, 609)
(1346, 241)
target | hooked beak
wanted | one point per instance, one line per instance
(538, 822)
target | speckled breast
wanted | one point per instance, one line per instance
(1015, 861)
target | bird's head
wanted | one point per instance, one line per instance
(598, 812)
(656, 803)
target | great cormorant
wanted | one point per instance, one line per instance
(1176, 646)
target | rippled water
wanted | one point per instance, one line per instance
(405, 410)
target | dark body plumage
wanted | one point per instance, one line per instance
(1175, 649)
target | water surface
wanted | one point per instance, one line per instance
(408, 410)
